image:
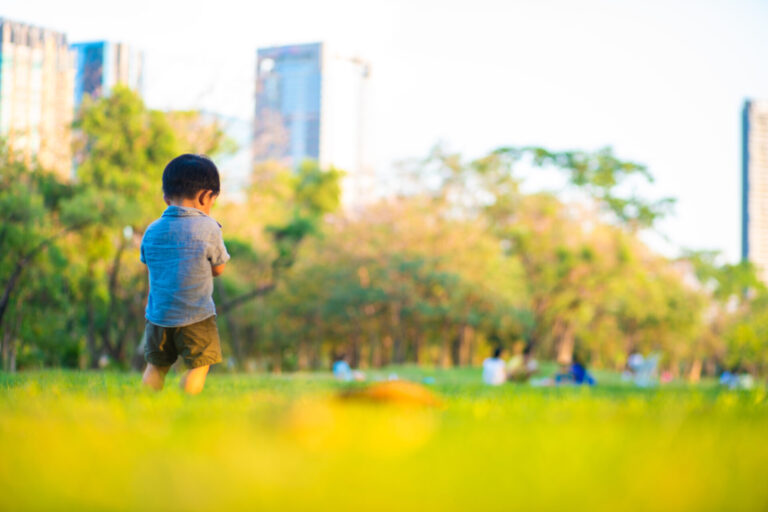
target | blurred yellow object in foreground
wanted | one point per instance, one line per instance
(401, 392)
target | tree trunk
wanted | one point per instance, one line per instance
(466, 333)
(354, 349)
(137, 361)
(106, 330)
(90, 333)
(12, 357)
(630, 344)
(129, 332)
(398, 344)
(456, 349)
(5, 348)
(418, 348)
(277, 361)
(566, 346)
(14, 342)
(674, 368)
(236, 339)
(710, 368)
(9, 286)
(234, 335)
(695, 374)
(303, 355)
(315, 359)
(445, 351)
(398, 350)
(386, 350)
(376, 356)
(3, 232)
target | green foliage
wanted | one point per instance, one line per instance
(85, 299)
(122, 150)
(726, 281)
(462, 261)
(36, 212)
(317, 191)
(605, 178)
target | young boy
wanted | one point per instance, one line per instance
(183, 251)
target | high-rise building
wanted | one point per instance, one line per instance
(311, 103)
(100, 65)
(36, 94)
(754, 221)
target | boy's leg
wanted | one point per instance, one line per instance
(154, 376)
(194, 379)
(200, 347)
(159, 352)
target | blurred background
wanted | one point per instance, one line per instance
(404, 182)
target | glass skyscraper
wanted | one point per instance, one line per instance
(100, 65)
(754, 221)
(288, 93)
(311, 103)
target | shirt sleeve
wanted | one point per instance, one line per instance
(217, 252)
(141, 252)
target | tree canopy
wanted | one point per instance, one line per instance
(460, 261)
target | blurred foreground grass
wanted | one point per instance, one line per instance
(95, 441)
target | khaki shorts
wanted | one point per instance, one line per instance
(197, 343)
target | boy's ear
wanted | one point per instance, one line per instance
(206, 196)
(167, 200)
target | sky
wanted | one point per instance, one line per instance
(661, 81)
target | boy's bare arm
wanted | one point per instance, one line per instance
(218, 269)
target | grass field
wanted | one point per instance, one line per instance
(97, 441)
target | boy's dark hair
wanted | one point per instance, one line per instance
(186, 175)
(497, 352)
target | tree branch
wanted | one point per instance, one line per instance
(228, 306)
(19, 267)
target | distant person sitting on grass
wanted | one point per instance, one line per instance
(183, 251)
(493, 369)
(341, 369)
(522, 365)
(576, 373)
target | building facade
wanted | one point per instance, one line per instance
(312, 103)
(100, 65)
(36, 95)
(754, 223)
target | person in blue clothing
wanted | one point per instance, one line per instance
(341, 369)
(183, 251)
(576, 374)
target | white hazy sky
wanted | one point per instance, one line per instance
(662, 81)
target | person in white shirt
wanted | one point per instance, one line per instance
(494, 373)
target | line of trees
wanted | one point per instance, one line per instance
(462, 261)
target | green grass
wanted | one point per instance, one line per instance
(96, 441)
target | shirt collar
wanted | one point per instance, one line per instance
(185, 211)
(182, 211)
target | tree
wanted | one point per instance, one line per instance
(579, 258)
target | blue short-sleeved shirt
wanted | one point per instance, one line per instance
(179, 250)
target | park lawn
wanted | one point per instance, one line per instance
(97, 441)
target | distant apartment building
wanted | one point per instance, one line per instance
(754, 223)
(100, 65)
(36, 95)
(312, 103)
